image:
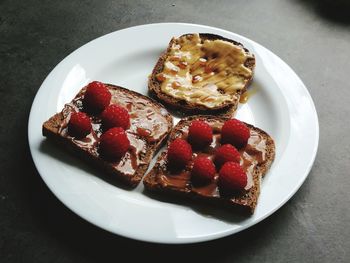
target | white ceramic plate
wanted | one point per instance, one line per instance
(282, 107)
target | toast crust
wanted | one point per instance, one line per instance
(150, 125)
(159, 179)
(228, 108)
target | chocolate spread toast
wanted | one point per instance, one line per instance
(255, 159)
(150, 123)
(202, 73)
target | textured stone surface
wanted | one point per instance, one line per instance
(311, 36)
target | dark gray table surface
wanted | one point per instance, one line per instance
(313, 37)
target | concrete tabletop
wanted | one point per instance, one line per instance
(313, 37)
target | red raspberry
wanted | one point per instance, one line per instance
(114, 143)
(200, 134)
(203, 170)
(79, 125)
(226, 153)
(232, 177)
(97, 97)
(179, 153)
(235, 132)
(115, 116)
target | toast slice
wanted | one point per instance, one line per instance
(202, 74)
(256, 159)
(150, 125)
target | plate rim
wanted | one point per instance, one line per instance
(198, 239)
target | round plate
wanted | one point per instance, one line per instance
(281, 106)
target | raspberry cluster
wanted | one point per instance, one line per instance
(226, 159)
(114, 142)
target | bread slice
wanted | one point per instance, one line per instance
(217, 50)
(256, 159)
(150, 125)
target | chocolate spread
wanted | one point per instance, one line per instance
(252, 155)
(147, 125)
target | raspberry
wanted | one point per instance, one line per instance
(203, 170)
(115, 116)
(232, 177)
(114, 143)
(97, 97)
(235, 132)
(226, 153)
(179, 153)
(79, 125)
(200, 134)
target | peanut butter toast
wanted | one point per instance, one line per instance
(202, 73)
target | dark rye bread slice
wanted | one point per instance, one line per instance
(154, 85)
(150, 125)
(260, 147)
